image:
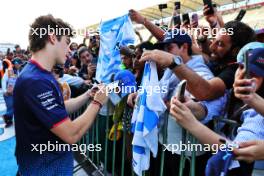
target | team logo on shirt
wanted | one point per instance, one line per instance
(47, 100)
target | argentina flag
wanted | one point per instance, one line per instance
(145, 119)
(113, 34)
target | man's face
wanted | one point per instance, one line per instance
(18, 49)
(173, 49)
(136, 64)
(17, 66)
(62, 48)
(127, 61)
(74, 46)
(86, 57)
(221, 47)
(10, 56)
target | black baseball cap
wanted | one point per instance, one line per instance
(177, 36)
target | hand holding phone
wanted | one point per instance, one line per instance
(210, 6)
(241, 14)
(177, 5)
(195, 20)
(177, 21)
(186, 19)
(246, 64)
(162, 6)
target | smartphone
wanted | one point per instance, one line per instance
(94, 61)
(177, 21)
(241, 14)
(195, 19)
(181, 90)
(246, 64)
(210, 5)
(186, 18)
(162, 6)
(177, 5)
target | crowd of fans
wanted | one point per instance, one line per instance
(215, 75)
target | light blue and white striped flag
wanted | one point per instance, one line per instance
(145, 119)
(113, 34)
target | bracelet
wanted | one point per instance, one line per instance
(97, 103)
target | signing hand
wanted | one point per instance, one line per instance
(101, 95)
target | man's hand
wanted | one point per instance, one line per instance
(136, 17)
(181, 113)
(160, 57)
(250, 151)
(73, 70)
(91, 92)
(131, 99)
(210, 18)
(244, 89)
(91, 70)
(101, 95)
(196, 108)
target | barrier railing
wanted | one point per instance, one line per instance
(118, 153)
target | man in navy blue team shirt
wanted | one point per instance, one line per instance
(41, 115)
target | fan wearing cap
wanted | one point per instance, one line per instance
(179, 43)
(8, 83)
(252, 122)
(245, 89)
(223, 49)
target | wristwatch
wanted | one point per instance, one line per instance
(176, 61)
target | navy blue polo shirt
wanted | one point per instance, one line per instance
(39, 107)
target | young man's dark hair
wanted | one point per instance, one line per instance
(242, 33)
(42, 27)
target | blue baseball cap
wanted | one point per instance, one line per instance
(174, 36)
(256, 57)
(127, 81)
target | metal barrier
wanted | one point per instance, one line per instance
(101, 163)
